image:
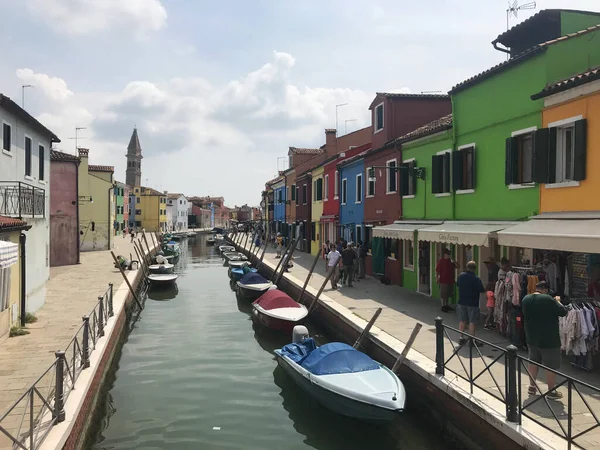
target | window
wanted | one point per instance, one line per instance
(41, 153)
(409, 254)
(304, 194)
(359, 236)
(379, 117)
(370, 183)
(463, 168)
(279, 196)
(313, 230)
(344, 191)
(6, 137)
(336, 188)
(359, 188)
(408, 181)
(293, 192)
(138, 212)
(4, 287)
(519, 167)
(440, 172)
(320, 189)
(138, 223)
(326, 194)
(391, 176)
(27, 156)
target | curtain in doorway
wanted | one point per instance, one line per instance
(378, 253)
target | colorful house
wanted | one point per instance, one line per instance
(280, 199)
(120, 224)
(318, 188)
(351, 193)
(152, 209)
(96, 205)
(64, 209)
(303, 210)
(11, 276)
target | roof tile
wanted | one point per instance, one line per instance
(306, 151)
(9, 222)
(573, 81)
(93, 168)
(55, 155)
(404, 95)
(441, 124)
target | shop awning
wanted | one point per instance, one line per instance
(330, 218)
(463, 233)
(9, 254)
(400, 230)
(582, 236)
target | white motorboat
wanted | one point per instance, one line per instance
(278, 311)
(253, 285)
(226, 248)
(161, 268)
(342, 378)
(162, 279)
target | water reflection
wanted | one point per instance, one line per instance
(161, 294)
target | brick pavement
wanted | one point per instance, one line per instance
(71, 292)
(402, 308)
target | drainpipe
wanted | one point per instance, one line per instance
(77, 215)
(22, 240)
(453, 149)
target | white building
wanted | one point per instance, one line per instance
(178, 209)
(25, 190)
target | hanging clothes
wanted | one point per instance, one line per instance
(553, 276)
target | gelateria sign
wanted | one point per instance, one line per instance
(447, 237)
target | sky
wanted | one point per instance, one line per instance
(220, 90)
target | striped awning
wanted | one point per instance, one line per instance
(9, 254)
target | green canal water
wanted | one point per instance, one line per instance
(195, 374)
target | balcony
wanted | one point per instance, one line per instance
(22, 200)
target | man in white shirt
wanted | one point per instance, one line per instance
(333, 260)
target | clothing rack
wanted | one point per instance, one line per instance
(575, 303)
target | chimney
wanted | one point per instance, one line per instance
(330, 142)
(83, 152)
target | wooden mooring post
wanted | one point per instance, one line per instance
(288, 259)
(316, 299)
(312, 269)
(260, 261)
(280, 260)
(146, 241)
(366, 330)
(137, 300)
(407, 347)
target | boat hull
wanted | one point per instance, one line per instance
(251, 294)
(274, 323)
(336, 402)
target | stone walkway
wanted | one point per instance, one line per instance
(71, 292)
(402, 308)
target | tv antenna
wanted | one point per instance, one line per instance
(514, 8)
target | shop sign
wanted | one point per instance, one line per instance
(379, 211)
(445, 237)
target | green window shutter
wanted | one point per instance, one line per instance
(436, 174)
(445, 171)
(293, 192)
(457, 169)
(508, 173)
(580, 150)
(404, 179)
(552, 141)
(473, 167)
(540, 155)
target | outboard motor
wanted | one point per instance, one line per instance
(299, 333)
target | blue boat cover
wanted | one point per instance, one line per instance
(297, 352)
(253, 278)
(337, 357)
(239, 273)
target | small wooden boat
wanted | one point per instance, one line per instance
(191, 234)
(237, 274)
(169, 258)
(171, 248)
(162, 279)
(253, 285)
(234, 256)
(226, 248)
(161, 268)
(278, 311)
(238, 264)
(342, 378)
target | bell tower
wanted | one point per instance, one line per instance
(133, 174)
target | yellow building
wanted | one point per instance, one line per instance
(151, 208)
(96, 205)
(10, 272)
(317, 210)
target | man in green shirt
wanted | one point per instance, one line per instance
(541, 313)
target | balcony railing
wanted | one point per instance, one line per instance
(19, 199)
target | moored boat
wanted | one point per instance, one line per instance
(161, 268)
(234, 256)
(342, 378)
(237, 274)
(226, 248)
(237, 264)
(253, 285)
(210, 240)
(162, 279)
(278, 311)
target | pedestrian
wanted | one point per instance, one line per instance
(132, 234)
(540, 314)
(279, 242)
(469, 288)
(333, 262)
(445, 277)
(348, 258)
(362, 256)
(492, 268)
(340, 246)
(257, 242)
(490, 305)
(355, 271)
(326, 250)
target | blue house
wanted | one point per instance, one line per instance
(352, 193)
(279, 200)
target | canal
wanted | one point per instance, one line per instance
(195, 374)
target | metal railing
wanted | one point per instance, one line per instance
(31, 417)
(474, 366)
(19, 199)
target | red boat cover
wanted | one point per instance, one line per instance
(276, 299)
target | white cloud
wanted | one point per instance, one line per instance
(201, 131)
(186, 50)
(85, 17)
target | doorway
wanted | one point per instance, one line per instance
(425, 267)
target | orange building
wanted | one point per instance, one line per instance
(572, 114)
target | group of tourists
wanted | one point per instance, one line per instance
(347, 262)
(541, 313)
